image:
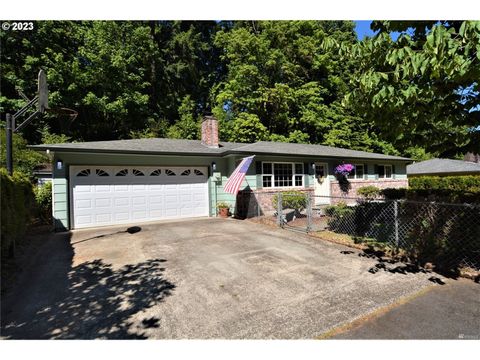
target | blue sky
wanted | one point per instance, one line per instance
(362, 28)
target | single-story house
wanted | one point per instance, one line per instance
(127, 181)
(443, 167)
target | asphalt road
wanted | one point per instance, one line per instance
(449, 311)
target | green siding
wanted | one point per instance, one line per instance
(60, 200)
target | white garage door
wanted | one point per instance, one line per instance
(108, 195)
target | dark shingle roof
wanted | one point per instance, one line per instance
(266, 147)
(442, 166)
(154, 146)
(195, 147)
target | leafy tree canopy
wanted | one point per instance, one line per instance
(293, 81)
(280, 73)
(422, 89)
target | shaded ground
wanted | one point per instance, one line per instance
(204, 278)
(451, 311)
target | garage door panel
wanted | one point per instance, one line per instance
(103, 202)
(156, 199)
(139, 200)
(123, 196)
(103, 218)
(121, 216)
(139, 215)
(121, 201)
(84, 189)
(83, 219)
(102, 188)
(83, 204)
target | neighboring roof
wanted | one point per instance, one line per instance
(43, 169)
(195, 147)
(442, 166)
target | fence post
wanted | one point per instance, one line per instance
(256, 202)
(309, 212)
(279, 210)
(395, 210)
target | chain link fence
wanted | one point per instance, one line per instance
(443, 234)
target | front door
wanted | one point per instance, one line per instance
(322, 184)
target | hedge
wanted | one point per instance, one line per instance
(465, 184)
(457, 189)
(43, 200)
(17, 204)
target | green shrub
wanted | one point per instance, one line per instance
(296, 200)
(465, 184)
(17, 204)
(369, 192)
(460, 189)
(339, 210)
(43, 199)
(340, 217)
(394, 193)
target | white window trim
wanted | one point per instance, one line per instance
(384, 172)
(272, 175)
(355, 176)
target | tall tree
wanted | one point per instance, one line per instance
(422, 89)
(281, 75)
(121, 77)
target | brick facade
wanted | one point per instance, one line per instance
(260, 202)
(335, 190)
(210, 131)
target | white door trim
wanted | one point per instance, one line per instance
(322, 185)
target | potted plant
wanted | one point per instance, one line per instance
(223, 209)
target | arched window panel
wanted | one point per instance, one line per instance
(101, 172)
(84, 172)
(122, 172)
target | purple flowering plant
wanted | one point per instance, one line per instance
(344, 169)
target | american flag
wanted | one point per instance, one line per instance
(235, 180)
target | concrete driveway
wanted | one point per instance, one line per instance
(204, 278)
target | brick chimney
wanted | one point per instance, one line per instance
(210, 132)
